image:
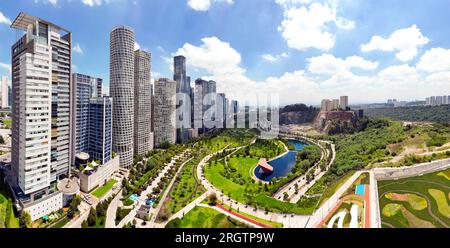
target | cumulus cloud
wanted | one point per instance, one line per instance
(308, 26)
(329, 64)
(406, 42)
(136, 46)
(4, 19)
(435, 60)
(204, 5)
(326, 76)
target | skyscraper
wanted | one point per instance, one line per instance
(143, 141)
(5, 92)
(184, 105)
(165, 111)
(122, 41)
(41, 113)
(84, 88)
(344, 102)
(100, 129)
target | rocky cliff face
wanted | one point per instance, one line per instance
(297, 114)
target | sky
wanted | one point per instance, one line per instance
(301, 51)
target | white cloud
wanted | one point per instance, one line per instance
(204, 5)
(406, 42)
(274, 58)
(214, 56)
(435, 60)
(219, 61)
(399, 73)
(4, 19)
(93, 3)
(52, 2)
(328, 64)
(77, 48)
(309, 26)
(6, 67)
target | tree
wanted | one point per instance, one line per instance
(212, 199)
(25, 219)
(92, 219)
(84, 224)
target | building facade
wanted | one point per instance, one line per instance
(5, 92)
(84, 87)
(165, 111)
(184, 97)
(142, 103)
(344, 102)
(122, 40)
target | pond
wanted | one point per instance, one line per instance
(282, 165)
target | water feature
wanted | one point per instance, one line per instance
(282, 165)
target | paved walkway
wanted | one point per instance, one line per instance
(288, 220)
(131, 216)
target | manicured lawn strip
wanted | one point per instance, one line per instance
(201, 217)
(332, 188)
(100, 192)
(229, 188)
(441, 200)
(61, 223)
(263, 221)
(419, 184)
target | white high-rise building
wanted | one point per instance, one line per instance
(165, 111)
(143, 141)
(122, 40)
(41, 113)
(5, 92)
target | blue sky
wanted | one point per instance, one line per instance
(301, 50)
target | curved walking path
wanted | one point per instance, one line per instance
(288, 220)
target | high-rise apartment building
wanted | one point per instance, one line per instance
(204, 100)
(100, 129)
(344, 102)
(122, 40)
(41, 113)
(165, 111)
(143, 141)
(5, 92)
(84, 88)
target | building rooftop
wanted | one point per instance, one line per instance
(23, 20)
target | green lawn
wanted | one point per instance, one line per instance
(100, 192)
(7, 217)
(61, 223)
(409, 215)
(201, 217)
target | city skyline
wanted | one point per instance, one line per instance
(358, 57)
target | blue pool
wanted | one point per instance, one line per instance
(282, 165)
(360, 189)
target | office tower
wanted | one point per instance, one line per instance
(84, 88)
(5, 92)
(41, 113)
(142, 103)
(100, 129)
(122, 41)
(234, 106)
(184, 105)
(344, 102)
(200, 90)
(204, 99)
(439, 100)
(165, 111)
(221, 108)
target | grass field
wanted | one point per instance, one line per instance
(201, 217)
(7, 217)
(100, 192)
(415, 202)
